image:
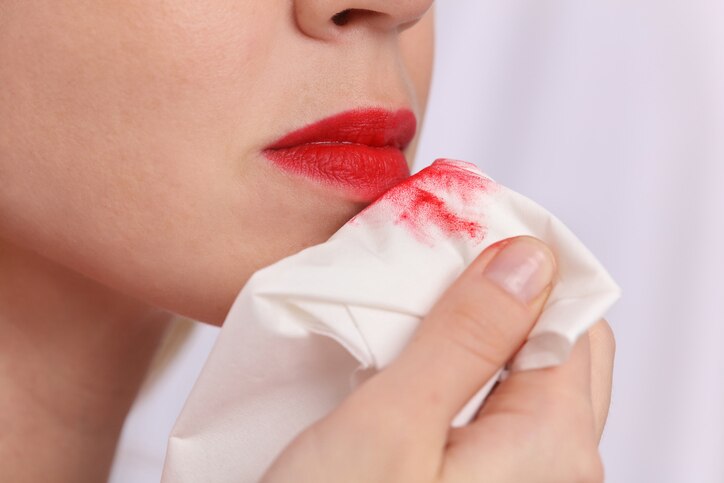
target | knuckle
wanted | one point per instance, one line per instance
(589, 468)
(571, 431)
(601, 335)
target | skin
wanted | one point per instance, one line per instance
(134, 187)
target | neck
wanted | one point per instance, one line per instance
(73, 355)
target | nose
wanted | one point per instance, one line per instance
(327, 19)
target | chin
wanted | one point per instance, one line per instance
(206, 291)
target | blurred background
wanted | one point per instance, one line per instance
(611, 115)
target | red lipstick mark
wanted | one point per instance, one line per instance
(440, 197)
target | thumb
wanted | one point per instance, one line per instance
(472, 331)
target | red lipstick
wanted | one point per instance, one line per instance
(358, 151)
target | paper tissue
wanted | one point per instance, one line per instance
(305, 330)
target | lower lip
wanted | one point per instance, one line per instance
(361, 172)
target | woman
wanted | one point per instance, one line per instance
(137, 184)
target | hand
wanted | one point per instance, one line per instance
(536, 426)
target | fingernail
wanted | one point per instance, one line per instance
(523, 267)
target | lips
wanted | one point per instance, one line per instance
(357, 152)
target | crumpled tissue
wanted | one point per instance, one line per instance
(306, 330)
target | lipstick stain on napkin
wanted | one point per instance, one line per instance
(437, 196)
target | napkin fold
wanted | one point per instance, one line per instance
(305, 331)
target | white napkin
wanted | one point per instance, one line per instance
(306, 330)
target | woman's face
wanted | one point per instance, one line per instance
(132, 133)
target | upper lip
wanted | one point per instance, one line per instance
(374, 127)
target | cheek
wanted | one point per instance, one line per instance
(118, 127)
(100, 93)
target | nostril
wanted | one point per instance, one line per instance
(356, 16)
(341, 18)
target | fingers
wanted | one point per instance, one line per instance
(562, 390)
(603, 349)
(476, 326)
(543, 417)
